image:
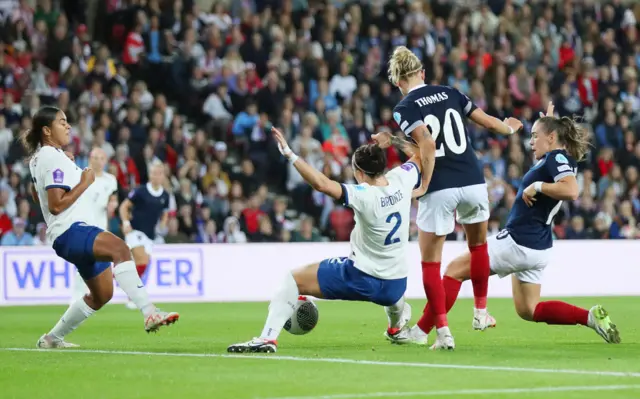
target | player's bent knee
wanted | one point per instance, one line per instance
(525, 310)
(306, 279)
(460, 268)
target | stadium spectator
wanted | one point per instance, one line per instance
(198, 89)
(17, 236)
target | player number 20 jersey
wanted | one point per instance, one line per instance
(382, 214)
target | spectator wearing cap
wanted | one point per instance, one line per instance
(17, 236)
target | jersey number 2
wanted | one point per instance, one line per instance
(451, 117)
(398, 220)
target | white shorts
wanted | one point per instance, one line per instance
(506, 257)
(438, 211)
(137, 239)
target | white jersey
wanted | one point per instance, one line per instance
(51, 168)
(382, 214)
(105, 186)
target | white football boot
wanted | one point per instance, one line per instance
(256, 345)
(405, 318)
(48, 342)
(599, 320)
(444, 340)
(408, 336)
(482, 320)
(158, 318)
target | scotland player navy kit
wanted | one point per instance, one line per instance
(523, 247)
(148, 207)
(457, 188)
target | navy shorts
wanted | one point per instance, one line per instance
(76, 246)
(339, 279)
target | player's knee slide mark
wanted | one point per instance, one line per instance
(342, 361)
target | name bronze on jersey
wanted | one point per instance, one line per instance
(391, 200)
(432, 99)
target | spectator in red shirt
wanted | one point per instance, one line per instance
(127, 173)
(5, 220)
(251, 215)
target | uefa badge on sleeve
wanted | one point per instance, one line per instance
(58, 176)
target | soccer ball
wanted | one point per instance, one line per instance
(304, 318)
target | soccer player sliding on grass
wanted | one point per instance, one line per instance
(523, 248)
(376, 269)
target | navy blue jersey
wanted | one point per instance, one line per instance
(531, 226)
(148, 207)
(443, 109)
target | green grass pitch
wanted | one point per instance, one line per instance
(345, 357)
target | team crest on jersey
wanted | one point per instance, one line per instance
(407, 166)
(561, 159)
(397, 117)
(58, 176)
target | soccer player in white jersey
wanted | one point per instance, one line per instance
(105, 198)
(66, 196)
(376, 268)
(457, 190)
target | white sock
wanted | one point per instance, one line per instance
(80, 289)
(127, 277)
(281, 308)
(78, 312)
(394, 313)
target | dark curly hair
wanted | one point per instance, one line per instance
(32, 138)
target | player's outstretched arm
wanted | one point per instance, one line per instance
(315, 178)
(60, 200)
(509, 126)
(386, 139)
(426, 154)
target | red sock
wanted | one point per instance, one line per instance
(480, 274)
(141, 269)
(432, 282)
(557, 312)
(451, 290)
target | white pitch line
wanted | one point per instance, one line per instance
(337, 361)
(469, 392)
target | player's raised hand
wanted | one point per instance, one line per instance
(513, 123)
(529, 194)
(382, 139)
(88, 176)
(283, 147)
(550, 110)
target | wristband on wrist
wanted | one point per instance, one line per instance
(293, 158)
(538, 186)
(511, 131)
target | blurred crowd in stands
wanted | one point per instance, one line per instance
(198, 84)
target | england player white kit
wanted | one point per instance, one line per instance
(376, 269)
(105, 186)
(102, 188)
(72, 231)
